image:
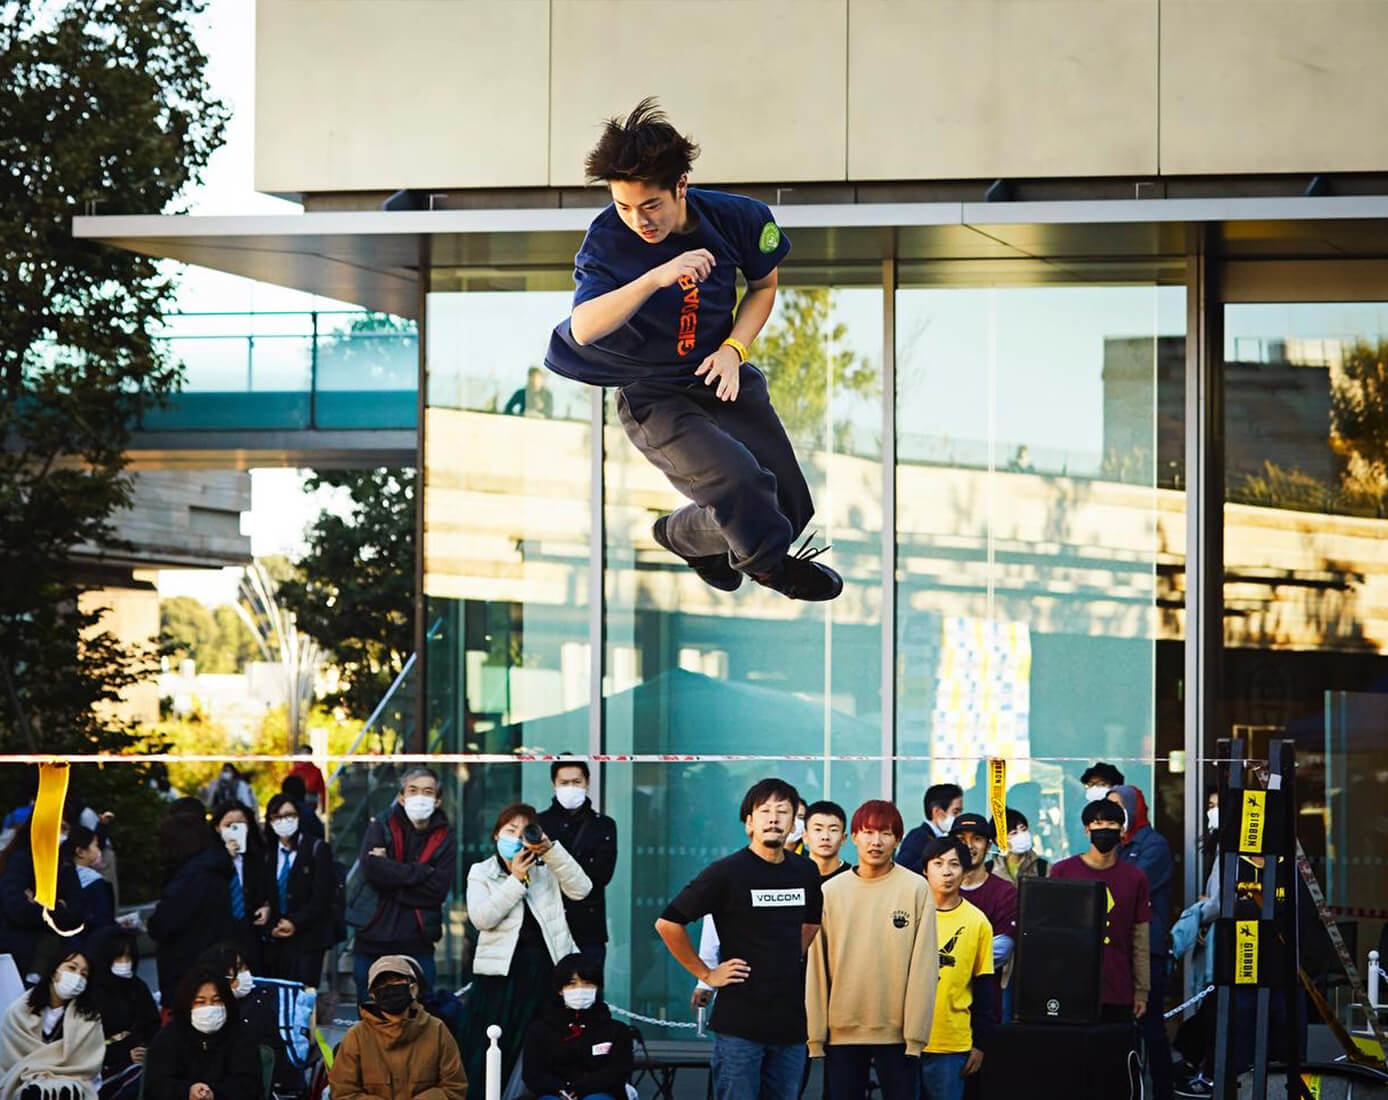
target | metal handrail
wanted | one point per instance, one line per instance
(375, 714)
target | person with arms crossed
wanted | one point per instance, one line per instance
(656, 314)
(963, 999)
(873, 971)
(766, 902)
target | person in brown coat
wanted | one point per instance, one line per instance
(397, 1050)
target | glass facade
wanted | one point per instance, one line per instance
(1036, 502)
(1306, 575)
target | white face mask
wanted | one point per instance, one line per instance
(236, 834)
(1212, 816)
(208, 1018)
(243, 984)
(1094, 794)
(796, 831)
(580, 997)
(285, 827)
(420, 807)
(571, 798)
(948, 824)
(68, 984)
(123, 970)
(1019, 843)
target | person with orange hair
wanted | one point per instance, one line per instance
(871, 975)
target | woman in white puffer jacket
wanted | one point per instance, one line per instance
(515, 897)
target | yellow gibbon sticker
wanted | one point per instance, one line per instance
(1253, 822)
(1246, 952)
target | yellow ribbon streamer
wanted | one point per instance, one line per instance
(45, 828)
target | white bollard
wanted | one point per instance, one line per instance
(1373, 979)
(493, 1089)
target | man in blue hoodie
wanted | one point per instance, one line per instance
(1144, 846)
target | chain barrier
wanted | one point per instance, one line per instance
(1189, 1004)
(651, 1019)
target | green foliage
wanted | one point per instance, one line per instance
(807, 365)
(104, 107)
(355, 590)
(217, 641)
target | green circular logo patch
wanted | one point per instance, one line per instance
(770, 237)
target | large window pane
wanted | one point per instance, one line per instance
(507, 523)
(1306, 423)
(1033, 423)
(692, 670)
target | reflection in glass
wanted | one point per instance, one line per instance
(693, 670)
(507, 506)
(1029, 531)
(1306, 457)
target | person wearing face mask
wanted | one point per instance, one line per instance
(397, 1050)
(256, 1007)
(51, 1043)
(195, 905)
(203, 1053)
(407, 860)
(129, 1016)
(22, 928)
(1099, 779)
(1020, 859)
(251, 879)
(231, 786)
(301, 896)
(944, 802)
(1126, 968)
(575, 1050)
(591, 838)
(515, 897)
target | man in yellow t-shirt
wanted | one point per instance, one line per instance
(963, 999)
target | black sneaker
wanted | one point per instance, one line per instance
(716, 570)
(800, 577)
(1196, 1086)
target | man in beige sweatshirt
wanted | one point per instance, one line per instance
(871, 976)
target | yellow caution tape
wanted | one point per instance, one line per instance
(45, 827)
(997, 798)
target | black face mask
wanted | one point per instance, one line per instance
(1105, 840)
(395, 998)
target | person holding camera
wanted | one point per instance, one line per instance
(515, 897)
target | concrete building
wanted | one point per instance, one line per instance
(1112, 276)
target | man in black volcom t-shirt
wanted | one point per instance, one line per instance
(766, 903)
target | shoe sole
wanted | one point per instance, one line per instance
(721, 582)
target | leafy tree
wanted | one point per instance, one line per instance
(217, 641)
(807, 365)
(1359, 418)
(104, 106)
(355, 592)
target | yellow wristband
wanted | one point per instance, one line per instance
(737, 346)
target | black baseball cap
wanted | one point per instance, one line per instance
(972, 823)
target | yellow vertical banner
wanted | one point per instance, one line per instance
(1246, 952)
(44, 828)
(1254, 820)
(997, 798)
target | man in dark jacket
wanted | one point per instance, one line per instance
(591, 838)
(407, 864)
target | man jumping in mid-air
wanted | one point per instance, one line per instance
(656, 314)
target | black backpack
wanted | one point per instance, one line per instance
(339, 899)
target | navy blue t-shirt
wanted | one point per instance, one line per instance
(678, 326)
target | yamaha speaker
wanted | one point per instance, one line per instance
(1078, 1062)
(1060, 949)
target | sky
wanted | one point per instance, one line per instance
(280, 508)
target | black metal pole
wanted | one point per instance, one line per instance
(1291, 922)
(1230, 772)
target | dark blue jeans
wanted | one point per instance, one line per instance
(942, 1076)
(733, 459)
(747, 1070)
(361, 967)
(846, 1071)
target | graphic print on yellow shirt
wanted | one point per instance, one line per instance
(966, 953)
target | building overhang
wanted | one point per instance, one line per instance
(373, 258)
